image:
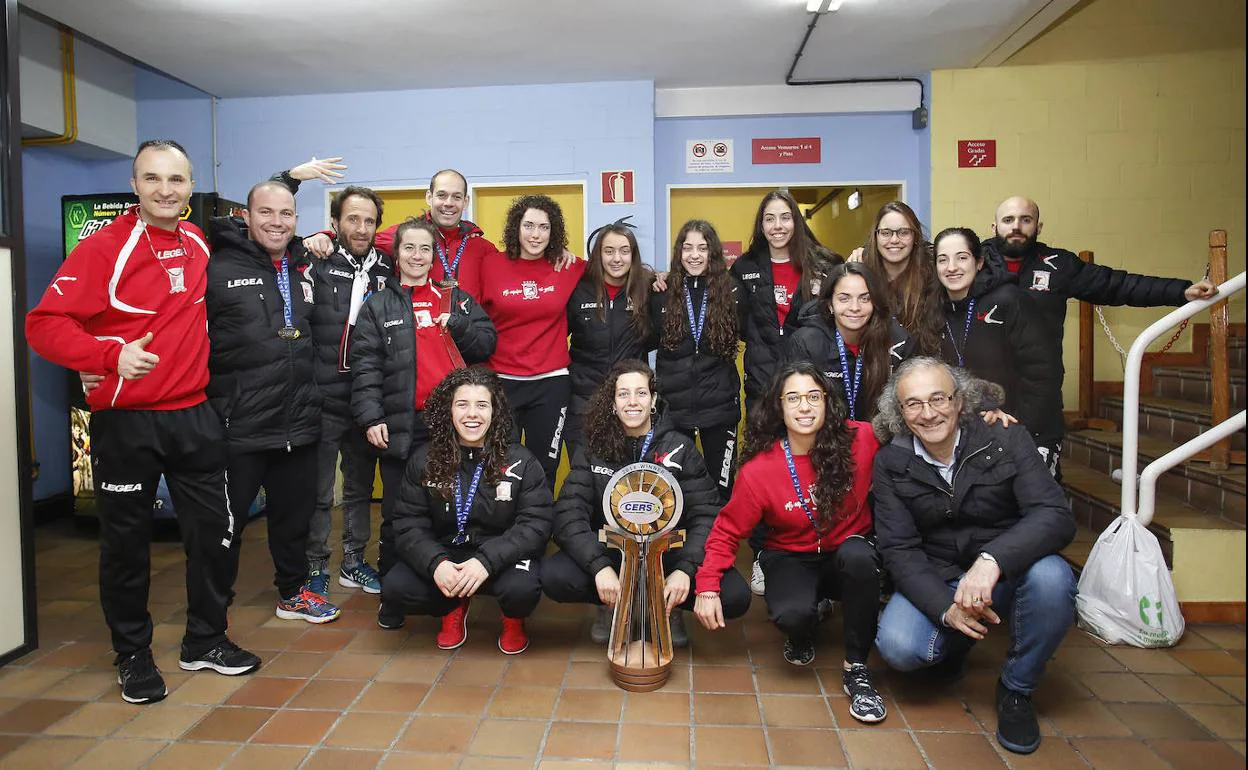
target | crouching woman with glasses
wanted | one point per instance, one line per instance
(806, 478)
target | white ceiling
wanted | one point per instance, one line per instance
(234, 48)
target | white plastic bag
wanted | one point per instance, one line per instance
(1126, 595)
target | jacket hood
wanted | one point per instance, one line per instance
(229, 234)
(991, 276)
(993, 252)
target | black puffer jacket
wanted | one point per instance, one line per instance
(261, 385)
(331, 280)
(763, 334)
(579, 515)
(596, 345)
(1006, 343)
(383, 358)
(1003, 501)
(506, 524)
(815, 341)
(701, 389)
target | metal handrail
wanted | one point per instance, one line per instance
(1131, 410)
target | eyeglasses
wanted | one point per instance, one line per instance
(904, 233)
(938, 402)
(529, 227)
(814, 398)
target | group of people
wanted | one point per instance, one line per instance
(880, 460)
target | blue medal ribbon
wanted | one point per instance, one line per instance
(645, 445)
(450, 268)
(851, 391)
(464, 504)
(283, 288)
(696, 324)
(966, 332)
(801, 497)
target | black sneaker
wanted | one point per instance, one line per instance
(680, 636)
(799, 653)
(226, 658)
(139, 678)
(865, 703)
(1017, 728)
(388, 619)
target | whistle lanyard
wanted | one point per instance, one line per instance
(801, 498)
(645, 445)
(851, 390)
(283, 288)
(966, 332)
(450, 268)
(696, 324)
(464, 504)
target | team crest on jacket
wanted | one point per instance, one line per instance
(1040, 280)
(307, 292)
(381, 282)
(666, 459)
(502, 492)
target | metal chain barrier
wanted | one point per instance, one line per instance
(1122, 354)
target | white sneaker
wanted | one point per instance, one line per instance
(757, 584)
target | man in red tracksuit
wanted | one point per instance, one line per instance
(129, 303)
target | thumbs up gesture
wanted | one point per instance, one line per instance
(134, 362)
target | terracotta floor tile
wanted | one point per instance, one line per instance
(730, 746)
(884, 749)
(723, 679)
(449, 699)
(657, 707)
(323, 640)
(74, 654)
(1226, 722)
(1188, 689)
(580, 740)
(1158, 720)
(331, 694)
(35, 715)
(205, 688)
(1209, 662)
(30, 682)
(523, 702)
(1230, 684)
(194, 756)
(354, 665)
(717, 709)
(272, 639)
(1081, 659)
(40, 753)
(86, 685)
(655, 743)
(438, 735)
(592, 674)
(1054, 754)
(420, 669)
(791, 680)
(229, 724)
(94, 720)
(1194, 642)
(1118, 687)
(590, 705)
(167, 722)
(817, 748)
(297, 728)
(1226, 637)
(10, 742)
(471, 672)
(1117, 754)
(367, 730)
(495, 763)
(391, 696)
(1086, 718)
(265, 692)
(1147, 661)
(397, 760)
(298, 665)
(936, 713)
(796, 711)
(343, 759)
(528, 672)
(266, 758)
(1197, 755)
(953, 751)
(508, 738)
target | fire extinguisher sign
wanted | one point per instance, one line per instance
(617, 187)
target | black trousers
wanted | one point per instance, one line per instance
(565, 581)
(289, 481)
(540, 408)
(393, 469)
(517, 588)
(130, 450)
(797, 581)
(719, 447)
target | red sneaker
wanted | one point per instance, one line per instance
(513, 640)
(454, 627)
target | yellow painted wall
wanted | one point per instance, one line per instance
(401, 204)
(1134, 150)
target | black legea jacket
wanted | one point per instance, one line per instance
(579, 515)
(1003, 501)
(262, 385)
(1006, 342)
(701, 389)
(383, 358)
(509, 521)
(815, 341)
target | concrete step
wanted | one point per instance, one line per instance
(1168, 419)
(1220, 493)
(1192, 383)
(1235, 347)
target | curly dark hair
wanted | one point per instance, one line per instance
(876, 337)
(636, 283)
(832, 455)
(355, 191)
(721, 316)
(558, 231)
(916, 293)
(805, 251)
(442, 464)
(603, 430)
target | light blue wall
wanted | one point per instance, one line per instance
(168, 109)
(567, 132)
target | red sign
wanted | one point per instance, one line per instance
(802, 149)
(617, 187)
(977, 153)
(732, 250)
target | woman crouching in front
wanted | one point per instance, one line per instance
(806, 476)
(473, 515)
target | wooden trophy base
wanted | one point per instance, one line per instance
(644, 671)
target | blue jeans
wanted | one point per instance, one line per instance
(1039, 607)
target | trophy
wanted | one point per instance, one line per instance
(643, 503)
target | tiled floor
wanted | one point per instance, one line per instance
(348, 695)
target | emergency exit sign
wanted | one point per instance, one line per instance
(977, 153)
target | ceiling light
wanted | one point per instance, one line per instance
(855, 200)
(823, 6)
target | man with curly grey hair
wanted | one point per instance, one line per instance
(968, 521)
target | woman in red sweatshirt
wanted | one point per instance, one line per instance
(527, 297)
(806, 476)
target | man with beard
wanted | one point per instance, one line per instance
(338, 286)
(1051, 276)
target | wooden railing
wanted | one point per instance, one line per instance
(1220, 374)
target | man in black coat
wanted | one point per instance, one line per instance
(969, 523)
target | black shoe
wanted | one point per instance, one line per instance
(865, 703)
(139, 678)
(600, 631)
(949, 670)
(388, 619)
(799, 653)
(226, 658)
(680, 636)
(1017, 728)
